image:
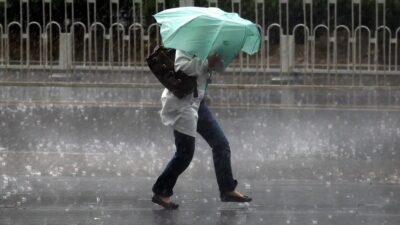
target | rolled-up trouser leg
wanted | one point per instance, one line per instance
(165, 183)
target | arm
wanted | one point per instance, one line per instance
(192, 66)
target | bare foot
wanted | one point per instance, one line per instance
(164, 202)
(235, 193)
(235, 196)
(165, 199)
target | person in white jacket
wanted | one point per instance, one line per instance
(189, 116)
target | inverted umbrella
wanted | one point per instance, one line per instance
(203, 31)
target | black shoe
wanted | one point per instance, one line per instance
(232, 198)
(167, 205)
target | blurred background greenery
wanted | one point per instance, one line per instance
(127, 14)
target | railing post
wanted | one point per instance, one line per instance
(65, 51)
(48, 4)
(91, 4)
(24, 22)
(212, 3)
(287, 53)
(308, 15)
(110, 32)
(284, 15)
(3, 34)
(355, 4)
(308, 7)
(183, 3)
(332, 40)
(5, 11)
(158, 3)
(45, 36)
(1, 46)
(22, 13)
(66, 38)
(237, 6)
(260, 4)
(112, 4)
(380, 4)
(68, 20)
(286, 42)
(397, 49)
(138, 7)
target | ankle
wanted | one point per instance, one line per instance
(165, 199)
(235, 193)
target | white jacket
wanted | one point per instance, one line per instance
(182, 114)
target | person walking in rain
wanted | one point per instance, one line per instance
(208, 39)
(188, 116)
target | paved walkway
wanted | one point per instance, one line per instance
(70, 165)
(72, 201)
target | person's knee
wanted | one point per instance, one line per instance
(185, 145)
(222, 148)
(186, 151)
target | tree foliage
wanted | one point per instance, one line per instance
(271, 9)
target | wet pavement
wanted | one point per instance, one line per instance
(109, 200)
(78, 164)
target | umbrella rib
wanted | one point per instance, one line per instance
(215, 37)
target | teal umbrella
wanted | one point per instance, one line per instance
(204, 31)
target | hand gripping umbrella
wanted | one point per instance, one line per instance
(204, 31)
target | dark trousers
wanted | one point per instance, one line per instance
(212, 133)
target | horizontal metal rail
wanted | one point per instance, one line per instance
(213, 86)
(121, 46)
(357, 98)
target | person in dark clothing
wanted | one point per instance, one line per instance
(189, 116)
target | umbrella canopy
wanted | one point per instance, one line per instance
(204, 31)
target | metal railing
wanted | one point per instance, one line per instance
(304, 48)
